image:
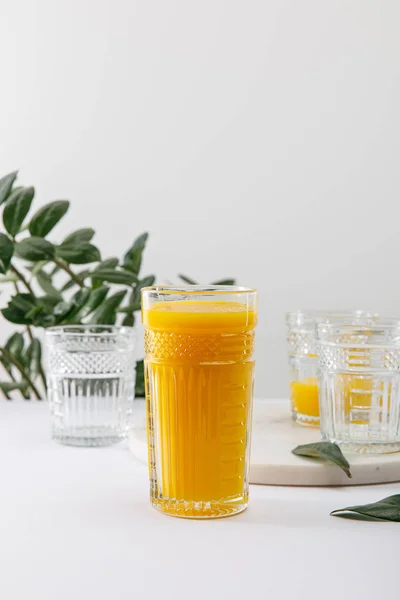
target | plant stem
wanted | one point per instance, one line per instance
(41, 371)
(5, 394)
(11, 376)
(21, 369)
(21, 276)
(66, 268)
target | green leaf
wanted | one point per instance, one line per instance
(34, 249)
(17, 208)
(113, 276)
(45, 282)
(224, 282)
(187, 280)
(10, 386)
(136, 298)
(6, 184)
(109, 263)
(33, 357)
(106, 314)
(15, 345)
(18, 309)
(11, 278)
(95, 299)
(387, 509)
(6, 252)
(78, 254)
(80, 235)
(325, 451)
(47, 217)
(70, 283)
(129, 320)
(139, 386)
(133, 258)
(76, 304)
(35, 268)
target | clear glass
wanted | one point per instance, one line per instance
(303, 359)
(359, 383)
(199, 372)
(90, 380)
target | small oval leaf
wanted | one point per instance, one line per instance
(6, 184)
(16, 209)
(78, 254)
(133, 258)
(387, 509)
(324, 451)
(113, 276)
(80, 235)
(6, 252)
(34, 249)
(47, 217)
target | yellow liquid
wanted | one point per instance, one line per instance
(199, 388)
(304, 396)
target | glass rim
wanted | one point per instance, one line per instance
(170, 290)
(86, 329)
(346, 326)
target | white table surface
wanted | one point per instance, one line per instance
(76, 523)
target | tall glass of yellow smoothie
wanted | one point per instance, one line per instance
(199, 373)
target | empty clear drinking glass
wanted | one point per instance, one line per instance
(359, 385)
(90, 380)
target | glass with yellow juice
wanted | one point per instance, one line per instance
(199, 372)
(303, 358)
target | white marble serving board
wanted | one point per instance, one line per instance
(272, 462)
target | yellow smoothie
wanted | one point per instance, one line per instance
(199, 383)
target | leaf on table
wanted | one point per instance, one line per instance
(78, 254)
(6, 184)
(326, 451)
(6, 252)
(387, 509)
(47, 217)
(34, 249)
(133, 258)
(80, 235)
(16, 209)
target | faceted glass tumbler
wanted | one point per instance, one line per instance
(90, 381)
(359, 385)
(303, 359)
(199, 372)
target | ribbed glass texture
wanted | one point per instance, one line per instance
(199, 372)
(90, 379)
(359, 384)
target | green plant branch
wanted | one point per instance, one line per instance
(5, 394)
(67, 269)
(22, 278)
(21, 369)
(41, 371)
(25, 395)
